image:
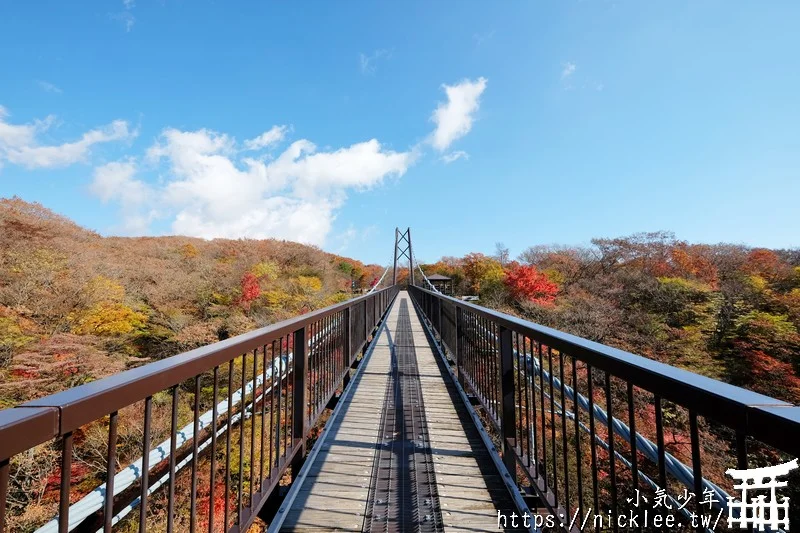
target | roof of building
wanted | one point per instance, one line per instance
(438, 277)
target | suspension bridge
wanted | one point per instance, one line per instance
(402, 410)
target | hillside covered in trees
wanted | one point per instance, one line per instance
(726, 311)
(75, 306)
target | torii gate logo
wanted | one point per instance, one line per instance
(760, 512)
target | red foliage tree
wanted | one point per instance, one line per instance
(526, 282)
(765, 263)
(250, 288)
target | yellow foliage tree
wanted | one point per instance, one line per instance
(108, 318)
(482, 271)
(307, 285)
(277, 298)
(188, 251)
(11, 338)
(101, 289)
(306, 291)
(105, 312)
(266, 270)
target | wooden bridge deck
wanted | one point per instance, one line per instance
(339, 483)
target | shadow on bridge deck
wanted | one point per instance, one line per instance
(401, 453)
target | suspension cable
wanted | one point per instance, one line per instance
(374, 287)
(424, 277)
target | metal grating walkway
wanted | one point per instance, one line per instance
(402, 454)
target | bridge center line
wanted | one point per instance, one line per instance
(403, 492)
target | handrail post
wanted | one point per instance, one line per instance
(508, 421)
(460, 345)
(366, 329)
(439, 322)
(347, 343)
(299, 400)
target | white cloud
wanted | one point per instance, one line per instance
(454, 118)
(115, 182)
(272, 136)
(208, 189)
(454, 156)
(367, 62)
(126, 17)
(19, 144)
(210, 185)
(568, 70)
(48, 87)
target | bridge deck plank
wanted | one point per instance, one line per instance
(334, 494)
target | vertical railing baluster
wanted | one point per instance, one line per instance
(195, 443)
(330, 360)
(578, 454)
(319, 369)
(228, 445)
(148, 413)
(299, 419)
(460, 346)
(697, 468)
(508, 422)
(544, 424)
(347, 342)
(111, 470)
(213, 476)
(66, 478)
(263, 415)
(253, 428)
(662, 463)
(518, 350)
(612, 460)
(4, 473)
(172, 448)
(634, 452)
(564, 449)
(742, 461)
(490, 378)
(319, 374)
(496, 372)
(325, 359)
(530, 394)
(313, 330)
(592, 444)
(272, 439)
(439, 322)
(242, 404)
(288, 423)
(741, 450)
(554, 451)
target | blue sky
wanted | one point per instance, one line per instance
(561, 120)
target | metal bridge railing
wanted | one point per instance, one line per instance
(278, 381)
(589, 428)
